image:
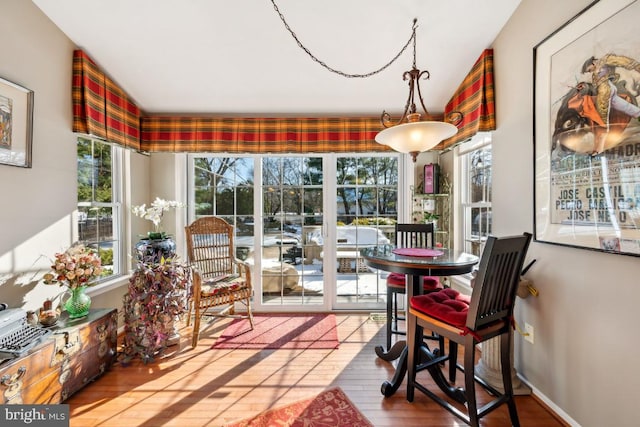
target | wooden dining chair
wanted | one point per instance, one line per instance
(469, 321)
(219, 278)
(407, 236)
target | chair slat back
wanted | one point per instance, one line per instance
(210, 246)
(414, 235)
(496, 284)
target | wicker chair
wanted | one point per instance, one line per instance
(219, 278)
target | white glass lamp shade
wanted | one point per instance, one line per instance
(416, 137)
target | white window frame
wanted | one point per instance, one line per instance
(120, 268)
(463, 152)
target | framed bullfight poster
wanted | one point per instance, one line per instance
(587, 131)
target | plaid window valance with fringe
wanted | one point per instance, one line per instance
(261, 135)
(475, 100)
(102, 109)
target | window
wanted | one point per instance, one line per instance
(475, 167)
(367, 190)
(99, 217)
(223, 186)
(280, 208)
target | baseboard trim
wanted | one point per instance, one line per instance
(554, 409)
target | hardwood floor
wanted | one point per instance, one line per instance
(205, 387)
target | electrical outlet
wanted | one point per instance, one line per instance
(528, 330)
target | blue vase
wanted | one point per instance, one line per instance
(151, 251)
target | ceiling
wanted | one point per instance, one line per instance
(237, 58)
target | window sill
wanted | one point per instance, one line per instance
(108, 285)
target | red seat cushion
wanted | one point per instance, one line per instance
(447, 305)
(430, 284)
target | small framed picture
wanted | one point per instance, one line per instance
(16, 122)
(428, 205)
(431, 174)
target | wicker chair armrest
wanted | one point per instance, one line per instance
(196, 284)
(244, 268)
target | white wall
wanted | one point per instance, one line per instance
(38, 203)
(585, 354)
(169, 182)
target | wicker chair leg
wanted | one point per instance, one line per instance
(196, 329)
(249, 313)
(232, 307)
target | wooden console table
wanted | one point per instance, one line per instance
(78, 351)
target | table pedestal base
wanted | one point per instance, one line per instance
(400, 351)
(397, 351)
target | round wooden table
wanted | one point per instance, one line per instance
(443, 262)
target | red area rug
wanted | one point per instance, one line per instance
(331, 408)
(295, 331)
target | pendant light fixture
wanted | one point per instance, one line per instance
(410, 134)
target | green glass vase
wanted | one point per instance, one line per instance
(79, 302)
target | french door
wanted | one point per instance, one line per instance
(300, 222)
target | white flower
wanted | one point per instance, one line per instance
(139, 210)
(154, 212)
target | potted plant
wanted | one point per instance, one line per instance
(431, 217)
(157, 244)
(157, 295)
(158, 289)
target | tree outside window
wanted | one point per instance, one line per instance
(476, 162)
(98, 201)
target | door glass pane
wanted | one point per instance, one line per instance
(223, 186)
(292, 231)
(366, 213)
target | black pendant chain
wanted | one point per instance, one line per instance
(342, 73)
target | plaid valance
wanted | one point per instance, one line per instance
(475, 100)
(100, 107)
(88, 97)
(260, 135)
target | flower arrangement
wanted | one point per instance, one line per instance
(157, 295)
(154, 213)
(77, 266)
